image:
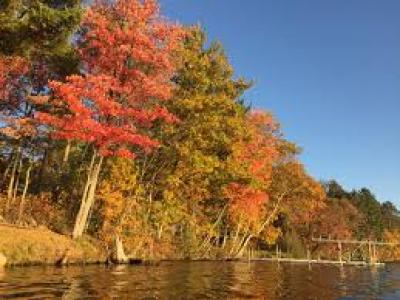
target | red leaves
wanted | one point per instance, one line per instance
(130, 39)
(258, 151)
(127, 53)
(255, 155)
(245, 201)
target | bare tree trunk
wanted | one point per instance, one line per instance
(159, 232)
(237, 248)
(17, 181)
(208, 238)
(233, 243)
(67, 151)
(8, 168)
(88, 196)
(22, 203)
(120, 255)
(225, 238)
(85, 190)
(13, 172)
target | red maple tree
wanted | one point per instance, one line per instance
(127, 55)
(255, 155)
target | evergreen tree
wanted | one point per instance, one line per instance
(41, 30)
(369, 206)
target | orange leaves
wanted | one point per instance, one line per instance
(338, 219)
(17, 128)
(135, 37)
(259, 150)
(245, 201)
(127, 53)
(252, 161)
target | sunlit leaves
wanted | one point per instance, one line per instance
(109, 104)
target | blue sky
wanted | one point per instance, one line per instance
(329, 71)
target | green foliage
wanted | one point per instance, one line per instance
(368, 205)
(390, 216)
(195, 150)
(335, 190)
(41, 30)
(375, 217)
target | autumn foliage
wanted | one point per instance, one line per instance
(124, 126)
(252, 161)
(127, 58)
(11, 70)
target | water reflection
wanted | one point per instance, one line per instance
(202, 280)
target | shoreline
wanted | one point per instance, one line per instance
(25, 247)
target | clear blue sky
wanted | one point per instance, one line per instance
(330, 72)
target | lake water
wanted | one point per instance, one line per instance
(202, 280)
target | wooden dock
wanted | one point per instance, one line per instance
(370, 260)
(317, 261)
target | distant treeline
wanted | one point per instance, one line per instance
(116, 123)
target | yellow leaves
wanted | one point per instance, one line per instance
(391, 252)
(117, 192)
(113, 204)
(303, 196)
(271, 234)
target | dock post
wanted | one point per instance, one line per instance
(340, 252)
(374, 257)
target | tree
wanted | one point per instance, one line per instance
(119, 193)
(40, 31)
(211, 119)
(251, 166)
(338, 220)
(127, 54)
(186, 175)
(15, 122)
(296, 198)
(390, 216)
(371, 225)
(391, 252)
(36, 35)
(334, 190)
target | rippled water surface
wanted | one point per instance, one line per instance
(202, 280)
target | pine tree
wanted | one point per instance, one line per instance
(40, 30)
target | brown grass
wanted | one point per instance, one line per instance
(25, 246)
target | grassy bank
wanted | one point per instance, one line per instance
(27, 246)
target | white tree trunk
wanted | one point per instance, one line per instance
(13, 171)
(22, 203)
(67, 151)
(14, 197)
(88, 197)
(120, 255)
